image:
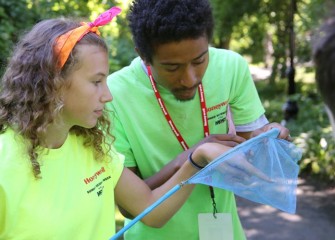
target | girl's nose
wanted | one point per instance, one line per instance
(106, 95)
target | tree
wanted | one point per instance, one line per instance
(227, 14)
(14, 19)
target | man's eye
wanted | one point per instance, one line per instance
(171, 69)
(198, 62)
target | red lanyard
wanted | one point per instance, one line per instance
(174, 128)
(168, 117)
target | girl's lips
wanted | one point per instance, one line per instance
(98, 112)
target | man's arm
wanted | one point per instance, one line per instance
(226, 139)
(173, 166)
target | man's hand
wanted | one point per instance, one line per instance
(236, 166)
(283, 134)
(230, 140)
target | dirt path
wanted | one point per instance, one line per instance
(314, 219)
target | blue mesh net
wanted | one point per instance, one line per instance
(263, 169)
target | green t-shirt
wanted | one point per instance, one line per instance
(146, 140)
(74, 199)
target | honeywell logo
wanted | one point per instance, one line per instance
(90, 179)
(217, 107)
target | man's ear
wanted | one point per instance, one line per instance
(142, 56)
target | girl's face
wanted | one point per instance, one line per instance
(85, 98)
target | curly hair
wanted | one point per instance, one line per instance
(32, 86)
(324, 59)
(155, 22)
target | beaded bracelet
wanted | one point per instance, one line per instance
(194, 164)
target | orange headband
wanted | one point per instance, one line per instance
(66, 42)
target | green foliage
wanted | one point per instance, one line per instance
(14, 19)
(264, 34)
(311, 129)
(227, 14)
(257, 28)
(119, 39)
(51, 9)
(250, 38)
(308, 17)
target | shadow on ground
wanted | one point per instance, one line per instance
(314, 218)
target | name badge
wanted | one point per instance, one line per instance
(219, 228)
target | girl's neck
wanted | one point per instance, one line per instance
(55, 136)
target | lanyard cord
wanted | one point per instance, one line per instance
(174, 128)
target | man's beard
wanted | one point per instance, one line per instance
(185, 94)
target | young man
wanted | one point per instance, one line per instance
(175, 97)
(324, 59)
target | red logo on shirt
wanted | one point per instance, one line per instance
(95, 175)
(218, 106)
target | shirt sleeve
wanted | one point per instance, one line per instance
(245, 103)
(249, 127)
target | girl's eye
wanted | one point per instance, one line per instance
(97, 82)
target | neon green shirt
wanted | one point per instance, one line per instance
(74, 199)
(146, 140)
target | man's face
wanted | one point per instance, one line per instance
(180, 66)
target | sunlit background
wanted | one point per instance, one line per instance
(263, 31)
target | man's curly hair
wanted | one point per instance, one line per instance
(155, 22)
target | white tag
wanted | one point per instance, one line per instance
(219, 228)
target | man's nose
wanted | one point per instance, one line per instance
(189, 78)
